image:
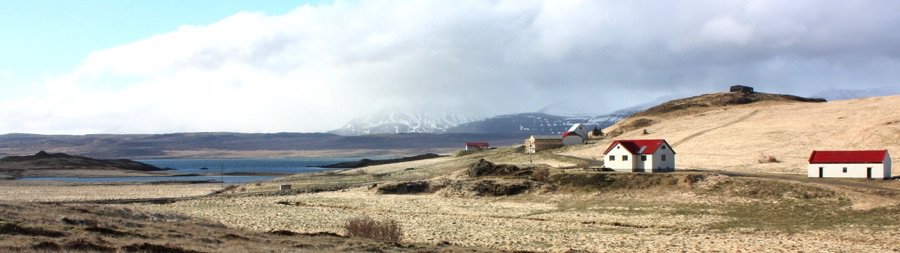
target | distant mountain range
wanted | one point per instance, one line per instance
(538, 123)
(521, 123)
(135, 146)
(396, 121)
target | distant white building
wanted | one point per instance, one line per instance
(850, 164)
(577, 134)
(640, 156)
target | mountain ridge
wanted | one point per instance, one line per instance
(207, 145)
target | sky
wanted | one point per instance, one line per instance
(104, 66)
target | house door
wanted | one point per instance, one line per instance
(821, 171)
(869, 172)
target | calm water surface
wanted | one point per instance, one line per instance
(216, 166)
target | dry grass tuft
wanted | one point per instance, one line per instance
(366, 227)
(768, 159)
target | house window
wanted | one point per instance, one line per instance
(612, 158)
(624, 158)
(663, 157)
(643, 157)
(845, 169)
(663, 147)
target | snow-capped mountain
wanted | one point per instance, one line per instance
(525, 123)
(539, 123)
(395, 121)
(604, 121)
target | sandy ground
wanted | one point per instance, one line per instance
(54, 191)
(548, 223)
(736, 137)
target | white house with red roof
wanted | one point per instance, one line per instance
(850, 164)
(640, 156)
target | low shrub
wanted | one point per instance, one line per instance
(366, 227)
(540, 175)
(768, 159)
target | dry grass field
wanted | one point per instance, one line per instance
(735, 137)
(661, 212)
(36, 191)
(32, 227)
(722, 199)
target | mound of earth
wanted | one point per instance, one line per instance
(18, 166)
(489, 188)
(468, 187)
(410, 187)
(485, 168)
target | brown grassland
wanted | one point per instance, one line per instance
(722, 198)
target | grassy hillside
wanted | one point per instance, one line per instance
(736, 137)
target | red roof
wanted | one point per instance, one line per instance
(643, 147)
(571, 133)
(848, 156)
(477, 144)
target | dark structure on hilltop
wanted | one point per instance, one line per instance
(741, 88)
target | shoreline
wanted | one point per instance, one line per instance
(373, 162)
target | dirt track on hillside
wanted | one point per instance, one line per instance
(697, 134)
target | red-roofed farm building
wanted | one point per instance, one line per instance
(576, 135)
(850, 164)
(470, 146)
(640, 156)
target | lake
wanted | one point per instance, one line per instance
(284, 166)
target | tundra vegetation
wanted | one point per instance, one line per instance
(723, 197)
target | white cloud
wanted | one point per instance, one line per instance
(317, 67)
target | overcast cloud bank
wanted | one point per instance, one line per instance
(317, 67)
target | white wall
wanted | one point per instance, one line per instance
(654, 162)
(618, 164)
(648, 164)
(854, 170)
(669, 163)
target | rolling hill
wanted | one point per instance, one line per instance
(735, 136)
(59, 164)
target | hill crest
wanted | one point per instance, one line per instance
(42, 163)
(699, 104)
(737, 137)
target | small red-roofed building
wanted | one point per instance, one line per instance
(654, 155)
(477, 146)
(850, 164)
